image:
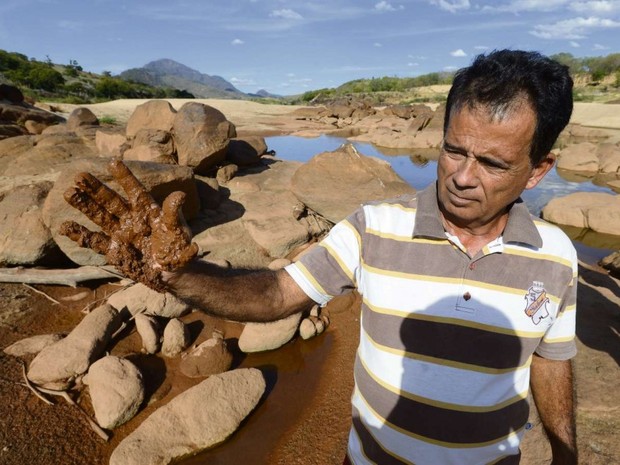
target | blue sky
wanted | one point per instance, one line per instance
(290, 46)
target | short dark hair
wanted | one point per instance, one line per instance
(503, 78)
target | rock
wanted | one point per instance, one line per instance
(81, 117)
(258, 337)
(593, 210)
(10, 130)
(609, 158)
(148, 329)
(199, 418)
(246, 151)
(24, 237)
(110, 143)
(579, 157)
(154, 114)
(141, 299)
(32, 345)
(321, 180)
(152, 145)
(209, 358)
(612, 263)
(11, 94)
(34, 127)
(58, 364)
(279, 263)
(226, 173)
(160, 180)
(116, 390)
(208, 192)
(201, 134)
(18, 113)
(176, 338)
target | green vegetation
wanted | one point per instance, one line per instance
(596, 79)
(71, 84)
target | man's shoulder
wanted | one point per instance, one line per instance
(555, 240)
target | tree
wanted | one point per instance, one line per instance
(42, 77)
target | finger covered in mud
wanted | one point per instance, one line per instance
(97, 213)
(84, 237)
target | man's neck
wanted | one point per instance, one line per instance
(473, 237)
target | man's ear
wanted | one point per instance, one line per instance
(540, 170)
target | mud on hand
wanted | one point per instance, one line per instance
(137, 236)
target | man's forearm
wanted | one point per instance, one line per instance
(552, 389)
(239, 295)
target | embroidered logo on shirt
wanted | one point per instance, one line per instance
(536, 302)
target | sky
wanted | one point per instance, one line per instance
(288, 47)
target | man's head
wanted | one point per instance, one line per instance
(505, 79)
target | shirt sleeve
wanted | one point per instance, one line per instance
(333, 267)
(558, 343)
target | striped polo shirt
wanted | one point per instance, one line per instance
(446, 340)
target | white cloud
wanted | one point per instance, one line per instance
(458, 53)
(600, 47)
(481, 47)
(450, 68)
(383, 5)
(574, 44)
(377, 44)
(517, 6)
(285, 13)
(413, 64)
(237, 42)
(451, 5)
(575, 28)
(595, 6)
(242, 81)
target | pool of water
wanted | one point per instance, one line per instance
(419, 169)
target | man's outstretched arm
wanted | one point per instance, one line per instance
(552, 389)
(237, 295)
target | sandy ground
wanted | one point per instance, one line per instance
(305, 416)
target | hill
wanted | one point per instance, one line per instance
(169, 73)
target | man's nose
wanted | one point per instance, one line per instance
(466, 174)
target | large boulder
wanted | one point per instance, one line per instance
(592, 210)
(57, 365)
(321, 183)
(81, 116)
(24, 237)
(246, 151)
(13, 116)
(579, 157)
(110, 143)
(154, 114)
(152, 145)
(199, 418)
(201, 134)
(160, 180)
(11, 94)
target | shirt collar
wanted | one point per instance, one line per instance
(519, 228)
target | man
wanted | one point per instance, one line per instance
(467, 299)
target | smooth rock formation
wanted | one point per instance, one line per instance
(246, 151)
(201, 417)
(612, 263)
(593, 210)
(141, 299)
(176, 338)
(81, 117)
(152, 145)
(209, 358)
(609, 158)
(150, 332)
(201, 134)
(154, 114)
(58, 364)
(324, 178)
(110, 143)
(579, 157)
(24, 237)
(32, 345)
(116, 390)
(258, 337)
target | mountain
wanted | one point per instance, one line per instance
(264, 94)
(169, 73)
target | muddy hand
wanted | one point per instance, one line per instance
(138, 237)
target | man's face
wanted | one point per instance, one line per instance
(484, 165)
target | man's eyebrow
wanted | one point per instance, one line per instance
(453, 148)
(490, 160)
